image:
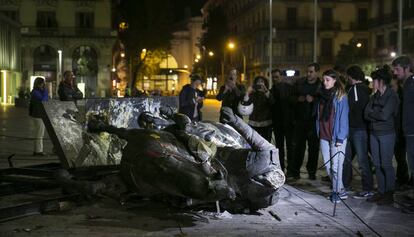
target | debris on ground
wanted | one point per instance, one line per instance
(272, 213)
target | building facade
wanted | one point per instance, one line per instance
(185, 48)
(292, 31)
(383, 25)
(60, 35)
(10, 75)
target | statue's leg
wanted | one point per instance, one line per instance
(257, 142)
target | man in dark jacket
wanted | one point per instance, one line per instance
(282, 116)
(358, 98)
(191, 99)
(231, 93)
(305, 126)
(68, 91)
(403, 70)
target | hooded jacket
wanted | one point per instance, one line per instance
(358, 98)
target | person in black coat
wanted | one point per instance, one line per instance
(68, 91)
(231, 93)
(37, 96)
(191, 99)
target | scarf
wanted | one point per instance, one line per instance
(326, 99)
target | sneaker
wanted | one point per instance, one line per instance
(335, 198)
(375, 198)
(343, 195)
(363, 195)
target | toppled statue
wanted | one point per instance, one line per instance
(194, 160)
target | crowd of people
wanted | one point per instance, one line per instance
(338, 113)
(341, 114)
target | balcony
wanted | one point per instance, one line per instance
(390, 19)
(299, 24)
(288, 59)
(69, 32)
(359, 26)
(329, 26)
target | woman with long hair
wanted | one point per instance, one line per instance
(37, 96)
(332, 128)
(381, 112)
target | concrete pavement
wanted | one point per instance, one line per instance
(303, 209)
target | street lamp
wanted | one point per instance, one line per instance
(359, 45)
(211, 53)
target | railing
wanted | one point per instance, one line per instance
(362, 26)
(390, 18)
(333, 25)
(289, 59)
(68, 32)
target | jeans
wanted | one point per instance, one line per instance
(382, 151)
(409, 141)
(358, 145)
(334, 157)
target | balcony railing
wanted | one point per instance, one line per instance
(389, 18)
(359, 26)
(333, 25)
(68, 32)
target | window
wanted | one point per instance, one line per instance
(326, 47)
(362, 16)
(291, 16)
(327, 15)
(380, 41)
(408, 38)
(291, 47)
(394, 7)
(277, 49)
(392, 37)
(380, 8)
(85, 19)
(307, 49)
(46, 19)
(14, 15)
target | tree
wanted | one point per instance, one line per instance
(149, 26)
(214, 39)
(351, 54)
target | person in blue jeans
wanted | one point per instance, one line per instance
(381, 112)
(358, 97)
(332, 128)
